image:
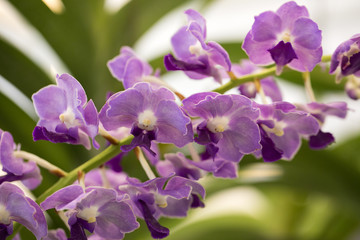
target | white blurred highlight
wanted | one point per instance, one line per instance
(56, 6)
(16, 96)
(18, 32)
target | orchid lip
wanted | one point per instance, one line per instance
(218, 124)
(147, 120)
(89, 214)
(68, 118)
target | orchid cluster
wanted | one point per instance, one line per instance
(211, 131)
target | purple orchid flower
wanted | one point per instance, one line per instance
(65, 114)
(320, 111)
(178, 164)
(193, 55)
(129, 69)
(16, 168)
(248, 89)
(15, 206)
(96, 209)
(170, 196)
(282, 127)
(152, 114)
(286, 37)
(181, 166)
(228, 128)
(346, 58)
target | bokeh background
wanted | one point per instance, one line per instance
(315, 196)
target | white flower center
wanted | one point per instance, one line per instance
(285, 36)
(4, 215)
(89, 214)
(147, 120)
(218, 124)
(197, 49)
(68, 118)
(278, 129)
(160, 200)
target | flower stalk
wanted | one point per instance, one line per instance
(41, 162)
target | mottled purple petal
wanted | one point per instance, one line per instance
(191, 102)
(61, 198)
(26, 212)
(115, 219)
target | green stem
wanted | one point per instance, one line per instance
(250, 77)
(92, 163)
(246, 78)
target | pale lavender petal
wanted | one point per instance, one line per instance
(244, 133)
(92, 122)
(194, 16)
(227, 170)
(218, 106)
(61, 198)
(133, 72)
(219, 55)
(176, 207)
(117, 64)
(307, 58)
(50, 102)
(179, 187)
(303, 123)
(73, 90)
(115, 219)
(290, 12)
(32, 176)
(10, 163)
(258, 51)
(289, 143)
(191, 102)
(128, 103)
(26, 212)
(306, 33)
(181, 41)
(266, 27)
(271, 89)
